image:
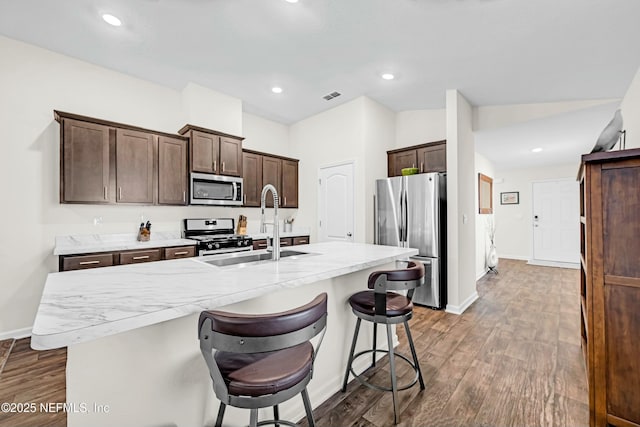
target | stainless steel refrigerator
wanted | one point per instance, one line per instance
(411, 212)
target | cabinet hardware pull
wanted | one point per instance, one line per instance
(184, 197)
(105, 192)
(222, 166)
(285, 201)
(421, 167)
(181, 253)
(89, 262)
(413, 165)
(141, 257)
(244, 198)
(215, 164)
(119, 193)
(302, 241)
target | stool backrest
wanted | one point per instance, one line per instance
(406, 279)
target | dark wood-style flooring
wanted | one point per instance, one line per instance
(512, 359)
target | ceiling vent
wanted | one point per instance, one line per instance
(332, 95)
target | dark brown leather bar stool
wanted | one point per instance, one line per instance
(262, 360)
(389, 308)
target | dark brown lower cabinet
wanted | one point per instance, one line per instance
(304, 240)
(284, 242)
(107, 259)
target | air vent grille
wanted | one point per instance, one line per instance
(332, 95)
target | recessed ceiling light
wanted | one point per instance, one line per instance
(388, 76)
(536, 150)
(110, 19)
(292, 1)
(276, 89)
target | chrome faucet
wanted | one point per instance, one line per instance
(275, 245)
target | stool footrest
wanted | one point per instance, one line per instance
(375, 386)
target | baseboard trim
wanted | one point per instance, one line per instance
(481, 275)
(459, 309)
(518, 257)
(571, 265)
(16, 334)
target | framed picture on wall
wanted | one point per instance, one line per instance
(510, 198)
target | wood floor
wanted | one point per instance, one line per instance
(512, 359)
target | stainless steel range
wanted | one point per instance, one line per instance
(216, 236)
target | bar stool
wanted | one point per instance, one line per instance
(389, 308)
(262, 360)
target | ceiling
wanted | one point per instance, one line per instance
(493, 51)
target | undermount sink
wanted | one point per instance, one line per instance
(249, 258)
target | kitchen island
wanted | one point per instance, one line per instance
(131, 331)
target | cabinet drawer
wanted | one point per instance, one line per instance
(302, 240)
(134, 257)
(180, 252)
(86, 261)
(259, 244)
(286, 241)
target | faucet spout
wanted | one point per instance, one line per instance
(263, 226)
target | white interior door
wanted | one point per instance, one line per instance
(556, 221)
(336, 203)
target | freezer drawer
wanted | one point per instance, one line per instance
(429, 294)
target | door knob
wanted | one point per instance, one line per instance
(348, 234)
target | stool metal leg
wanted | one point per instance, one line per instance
(375, 336)
(413, 353)
(276, 415)
(253, 420)
(392, 368)
(353, 349)
(220, 414)
(307, 408)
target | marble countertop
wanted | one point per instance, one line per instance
(82, 305)
(90, 243)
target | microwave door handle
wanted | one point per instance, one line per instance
(235, 191)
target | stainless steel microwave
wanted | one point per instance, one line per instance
(209, 189)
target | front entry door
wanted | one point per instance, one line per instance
(556, 220)
(336, 203)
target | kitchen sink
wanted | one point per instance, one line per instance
(245, 258)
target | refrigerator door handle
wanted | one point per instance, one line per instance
(375, 221)
(402, 224)
(405, 218)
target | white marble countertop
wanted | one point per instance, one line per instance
(90, 243)
(82, 305)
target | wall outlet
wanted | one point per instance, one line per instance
(97, 220)
(464, 218)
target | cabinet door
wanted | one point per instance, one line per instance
(401, 160)
(286, 241)
(172, 171)
(134, 166)
(252, 178)
(230, 156)
(204, 152)
(289, 184)
(301, 240)
(85, 158)
(81, 262)
(432, 159)
(259, 244)
(271, 174)
(135, 257)
(180, 252)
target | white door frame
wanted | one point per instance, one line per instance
(353, 184)
(532, 260)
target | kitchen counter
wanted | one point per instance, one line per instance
(91, 243)
(84, 305)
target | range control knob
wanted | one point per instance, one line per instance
(216, 245)
(239, 242)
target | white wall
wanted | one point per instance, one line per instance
(415, 127)
(631, 112)
(514, 222)
(485, 167)
(264, 135)
(39, 81)
(461, 218)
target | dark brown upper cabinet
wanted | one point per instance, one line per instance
(430, 157)
(172, 171)
(260, 169)
(134, 166)
(108, 162)
(289, 183)
(252, 177)
(214, 152)
(85, 163)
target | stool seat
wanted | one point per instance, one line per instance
(259, 374)
(364, 302)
